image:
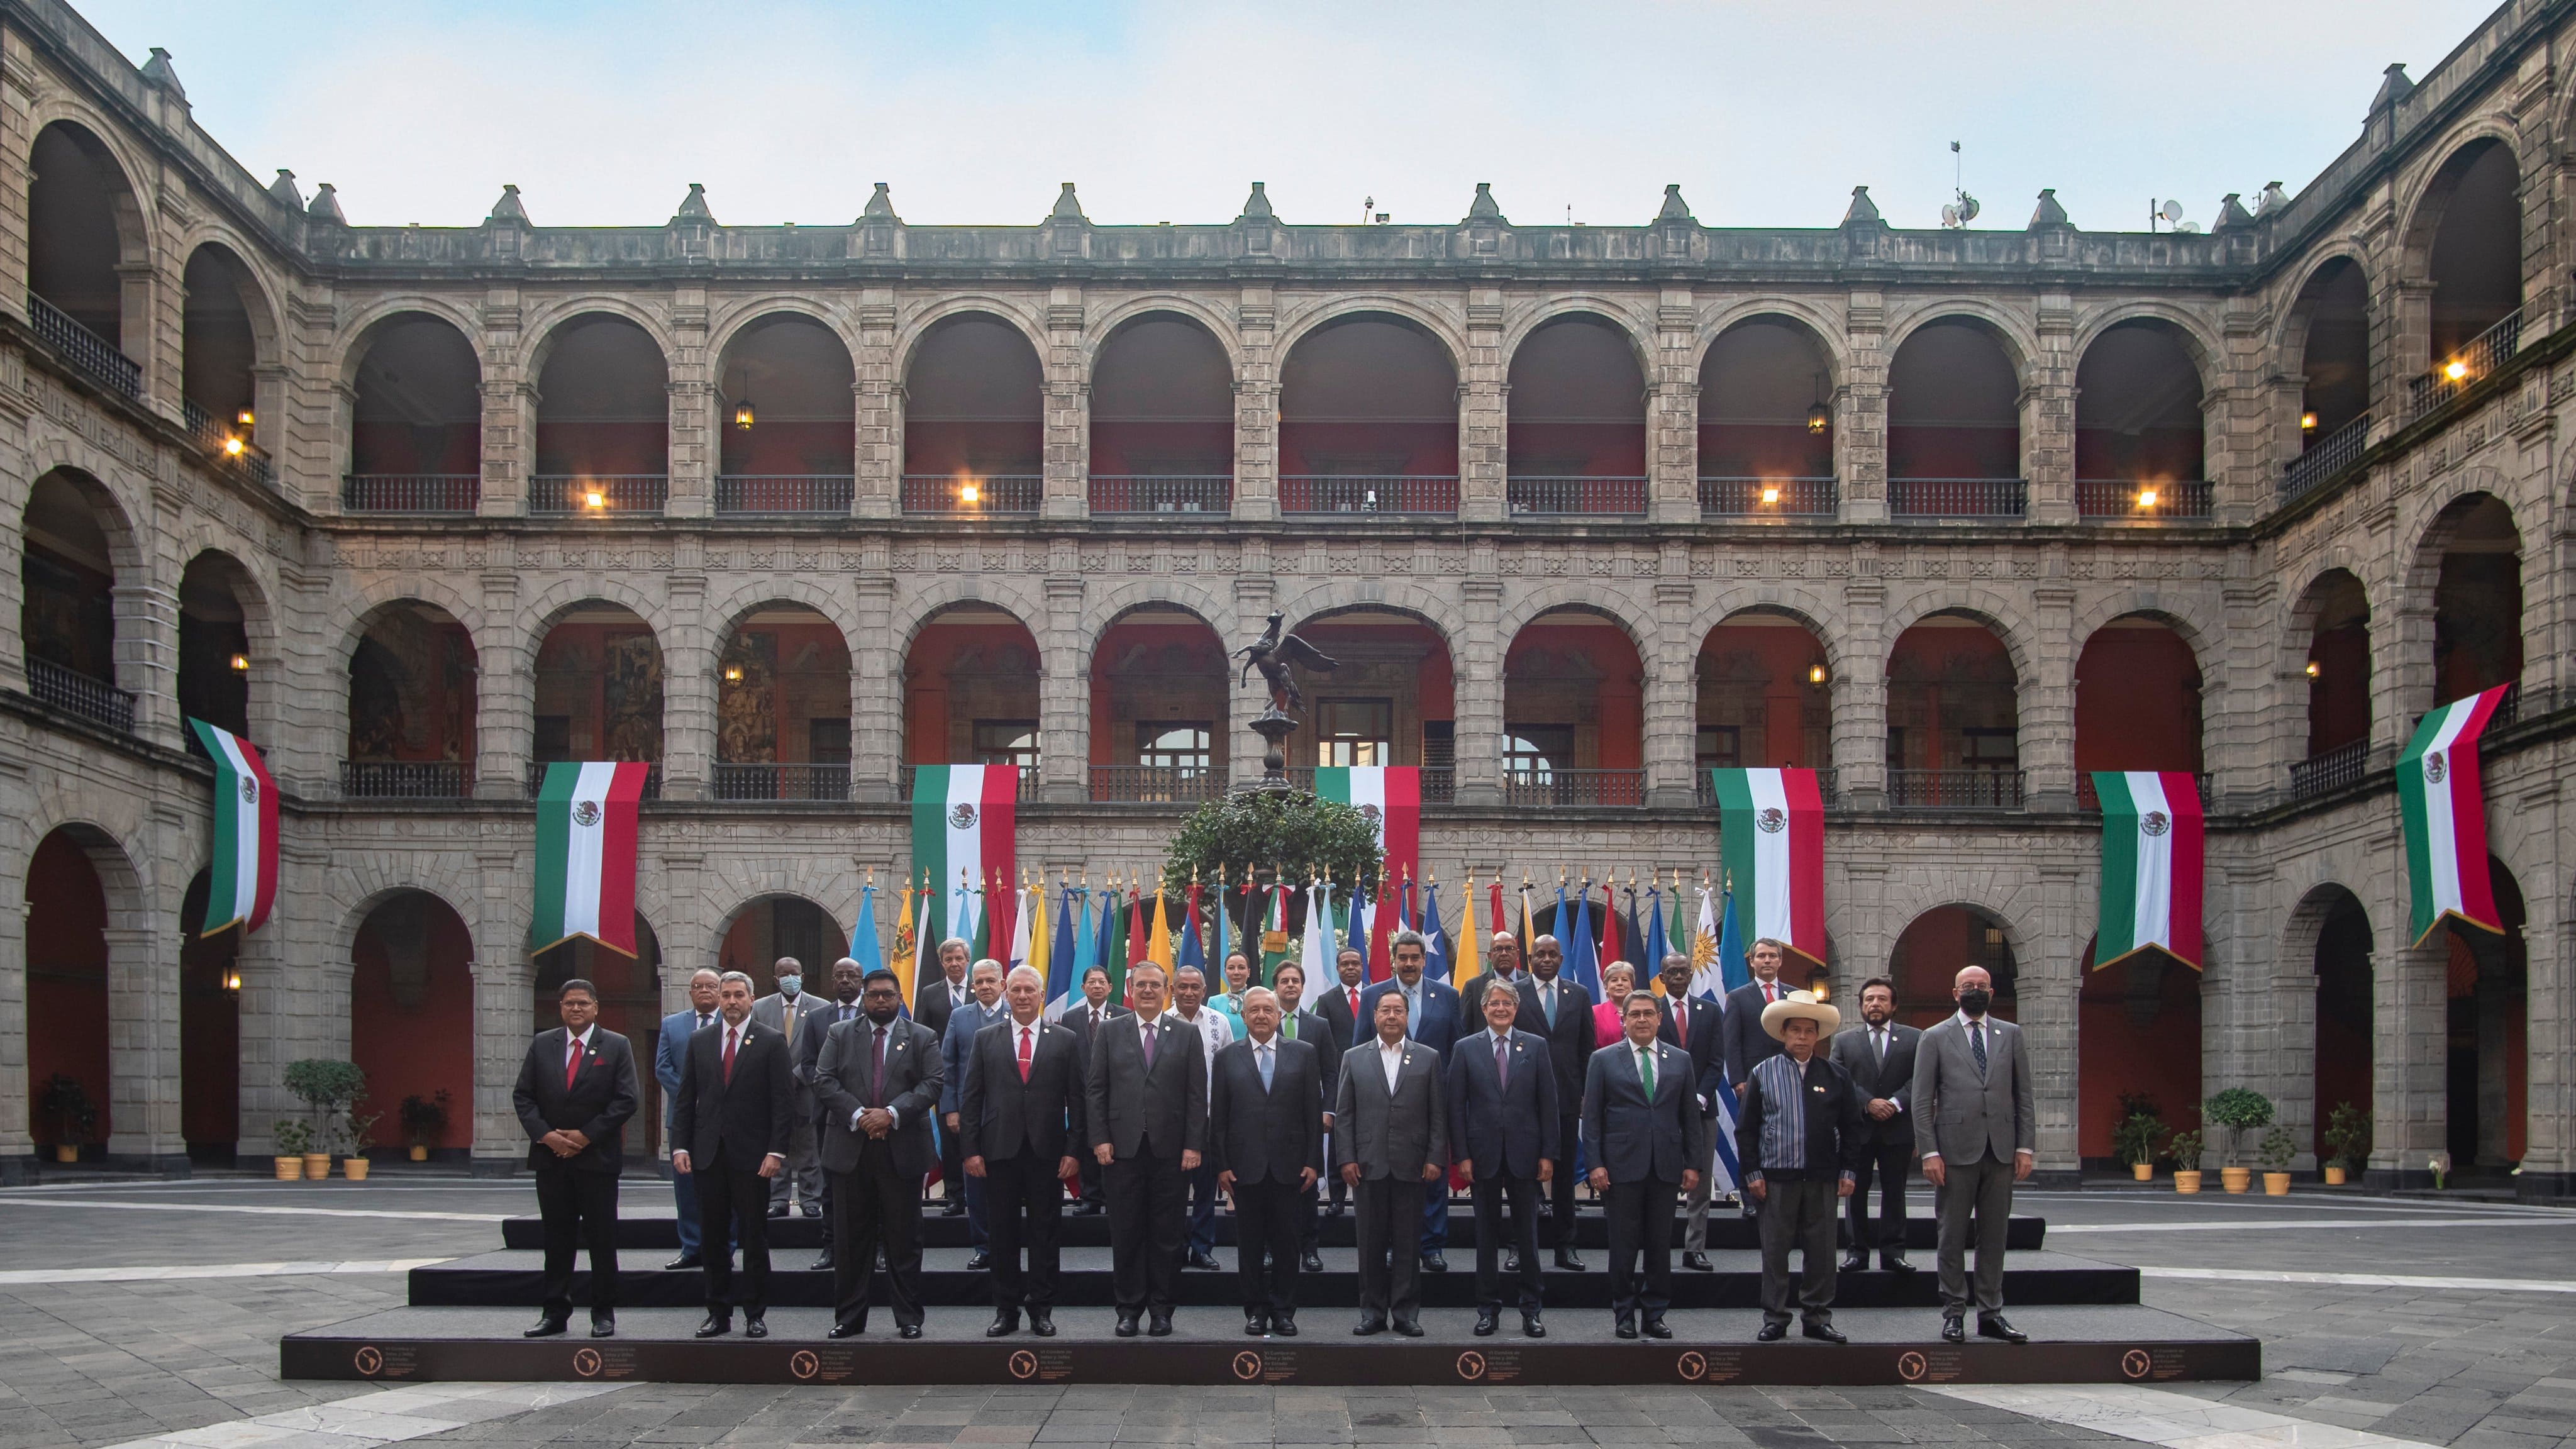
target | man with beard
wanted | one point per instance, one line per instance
(1339, 1006)
(1503, 955)
(1559, 1012)
(1978, 1131)
(1189, 1006)
(879, 1083)
(1640, 1107)
(1880, 1058)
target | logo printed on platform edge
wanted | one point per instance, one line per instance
(1471, 1365)
(586, 1362)
(2137, 1363)
(1692, 1366)
(586, 814)
(1247, 1365)
(1771, 821)
(369, 1360)
(1024, 1364)
(804, 1364)
(1912, 1366)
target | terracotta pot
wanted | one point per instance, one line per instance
(66, 1152)
(419, 1152)
(2187, 1179)
(2236, 1179)
(317, 1166)
(290, 1169)
(2143, 1171)
(2276, 1184)
(355, 1169)
(2334, 1177)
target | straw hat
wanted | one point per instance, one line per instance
(1800, 1004)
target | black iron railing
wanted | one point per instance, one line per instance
(1206, 494)
(1704, 789)
(1910, 498)
(2333, 770)
(227, 442)
(1967, 789)
(537, 780)
(1591, 497)
(774, 781)
(414, 493)
(70, 690)
(90, 354)
(1439, 782)
(1336, 494)
(406, 779)
(598, 495)
(1767, 497)
(993, 494)
(1028, 781)
(2105, 499)
(2325, 459)
(2452, 375)
(784, 494)
(2088, 798)
(1574, 787)
(1156, 783)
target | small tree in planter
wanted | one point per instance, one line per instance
(2134, 1140)
(2186, 1149)
(329, 1090)
(294, 1138)
(2275, 1152)
(74, 1115)
(424, 1120)
(2240, 1110)
(2347, 1142)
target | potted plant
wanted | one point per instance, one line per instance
(424, 1119)
(293, 1140)
(353, 1164)
(2277, 1148)
(2185, 1147)
(328, 1089)
(75, 1115)
(2240, 1110)
(2347, 1142)
(2134, 1140)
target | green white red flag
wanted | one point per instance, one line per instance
(1391, 797)
(586, 825)
(2444, 806)
(2151, 865)
(1771, 827)
(964, 824)
(241, 879)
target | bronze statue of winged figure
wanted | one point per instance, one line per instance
(1272, 654)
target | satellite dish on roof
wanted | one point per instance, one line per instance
(2186, 228)
(2171, 211)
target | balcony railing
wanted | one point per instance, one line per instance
(785, 494)
(2107, 499)
(406, 779)
(1955, 789)
(772, 781)
(537, 780)
(598, 495)
(413, 493)
(2088, 798)
(996, 494)
(1334, 494)
(90, 354)
(1590, 497)
(228, 443)
(1768, 497)
(2333, 770)
(1207, 494)
(1439, 782)
(1028, 781)
(1704, 789)
(1574, 787)
(2325, 459)
(1157, 784)
(2454, 374)
(1957, 497)
(76, 693)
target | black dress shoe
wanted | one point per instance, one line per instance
(778, 1210)
(982, 1260)
(846, 1330)
(1158, 1325)
(812, 1209)
(1005, 1322)
(1283, 1327)
(1367, 1326)
(717, 1324)
(1485, 1324)
(1042, 1322)
(1311, 1262)
(1855, 1262)
(1824, 1331)
(1432, 1262)
(754, 1327)
(1255, 1324)
(683, 1263)
(1771, 1333)
(603, 1323)
(1953, 1330)
(1894, 1263)
(1086, 1210)
(1992, 1325)
(1698, 1263)
(1511, 1262)
(822, 1264)
(955, 1208)
(1567, 1259)
(1408, 1328)
(1627, 1328)
(1204, 1262)
(1655, 1327)
(1126, 1325)
(1531, 1327)
(546, 1327)
(908, 1330)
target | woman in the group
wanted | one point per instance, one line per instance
(1608, 1018)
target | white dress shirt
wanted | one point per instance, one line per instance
(1391, 1056)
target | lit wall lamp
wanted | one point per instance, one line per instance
(742, 414)
(232, 447)
(2147, 497)
(2307, 422)
(733, 674)
(1818, 417)
(244, 419)
(2455, 369)
(1770, 494)
(2313, 670)
(241, 664)
(1815, 674)
(232, 982)
(969, 494)
(593, 498)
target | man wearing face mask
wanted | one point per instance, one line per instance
(794, 1012)
(879, 1079)
(1975, 1126)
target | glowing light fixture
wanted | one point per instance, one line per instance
(2307, 422)
(241, 664)
(1815, 674)
(1818, 417)
(733, 674)
(244, 419)
(2147, 497)
(2313, 670)
(969, 494)
(1770, 493)
(2455, 369)
(232, 981)
(593, 498)
(232, 447)
(742, 414)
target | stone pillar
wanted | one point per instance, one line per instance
(1672, 694)
(1858, 713)
(139, 326)
(2048, 414)
(879, 393)
(1860, 412)
(2044, 996)
(146, 603)
(1476, 661)
(2401, 639)
(2549, 1007)
(143, 1050)
(509, 445)
(503, 1008)
(2241, 416)
(1672, 410)
(1064, 686)
(2410, 1087)
(1254, 588)
(2046, 704)
(2243, 697)
(689, 691)
(1067, 401)
(691, 413)
(1484, 457)
(17, 1166)
(2401, 349)
(876, 686)
(1256, 409)
(505, 684)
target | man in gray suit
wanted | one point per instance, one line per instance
(1390, 1126)
(786, 1012)
(1977, 1131)
(1145, 1113)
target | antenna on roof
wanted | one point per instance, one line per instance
(1961, 208)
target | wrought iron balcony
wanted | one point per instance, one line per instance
(2325, 460)
(69, 690)
(2107, 499)
(1767, 497)
(228, 443)
(1587, 496)
(1930, 498)
(991, 495)
(598, 495)
(1028, 781)
(1156, 784)
(1956, 789)
(2331, 771)
(1555, 787)
(89, 354)
(784, 494)
(1204, 494)
(2088, 798)
(1439, 782)
(1334, 495)
(744, 781)
(411, 493)
(537, 779)
(406, 779)
(2455, 374)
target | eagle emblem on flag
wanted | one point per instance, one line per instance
(249, 790)
(2155, 822)
(1372, 815)
(2434, 770)
(1771, 821)
(962, 817)
(586, 814)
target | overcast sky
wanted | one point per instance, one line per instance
(603, 111)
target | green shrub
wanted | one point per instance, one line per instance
(2240, 1110)
(2134, 1140)
(2348, 1137)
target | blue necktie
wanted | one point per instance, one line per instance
(1264, 1057)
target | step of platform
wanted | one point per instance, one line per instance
(2123, 1344)
(640, 1228)
(514, 1278)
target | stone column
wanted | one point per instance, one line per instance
(689, 691)
(1672, 410)
(509, 444)
(2048, 414)
(1858, 714)
(2410, 1087)
(2044, 997)
(1672, 695)
(876, 684)
(1067, 401)
(2549, 1007)
(146, 603)
(1256, 409)
(17, 1166)
(505, 684)
(1860, 412)
(1064, 686)
(143, 1049)
(880, 409)
(2242, 694)
(2046, 704)
(1476, 662)
(2401, 349)
(503, 1008)
(1483, 418)
(691, 413)
(141, 331)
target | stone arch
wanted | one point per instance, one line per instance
(2431, 518)
(832, 604)
(1807, 609)
(2011, 332)
(108, 508)
(130, 211)
(950, 591)
(260, 645)
(1973, 892)
(2207, 351)
(1219, 325)
(546, 325)
(1829, 332)
(104, 974)
(1009, 312)
(2290, 333)
(1101, 614)
(356, 335)
(1415, 603)
(1985, 606)
(2420, 198)
(728, 322)
(560, 598)
(2183, 613)
(1604, 309)
(257, 296)
(1442, 328)
(364, 880)
(350, 615)
(750, 884)
(1640, 627)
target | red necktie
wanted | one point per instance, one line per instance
(1353, 993)
(728, 1061)
(572, 1063)
(1681, 1025)
(1024, 1054)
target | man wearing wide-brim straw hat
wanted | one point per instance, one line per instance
(1800, 1133)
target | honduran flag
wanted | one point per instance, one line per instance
(2444, 805)
(963, 819)
(586, 823)
(1391, 797)
(2151, 865)
(242, 877)
(1771, 826)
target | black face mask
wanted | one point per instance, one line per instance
(1975, 1000)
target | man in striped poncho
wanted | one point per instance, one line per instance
(1800, 1140)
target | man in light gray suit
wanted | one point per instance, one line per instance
(1977, 1131)
(1390, 1129)
(794, 1013)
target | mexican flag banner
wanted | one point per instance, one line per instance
(242, 878)
(1771, 826)
(2151, 865)
(586, 818)
(2446, 816)
(962, 834)
(1391, 797)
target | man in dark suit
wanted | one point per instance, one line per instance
(1502, 1133)
(1648, 1138)
(1082, 1018)
(981, 1009)
(576, 1089)
(1880, 1059)
(1145, 1113)
(669, 1045)
(1747, 1045)
(791, 1011)
(933, 1002)
(1977, 1129)
(1020, 1114)
(1431, 1018)
(878, 1079)
(1266, 1141)
(1698, 1028)
(1390, 1132)
(736, 1115)
(847, 977)
(1288, 983)
(1502, 968)
(1338, 1003)
(1560, 1012)
(1799, 1139)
